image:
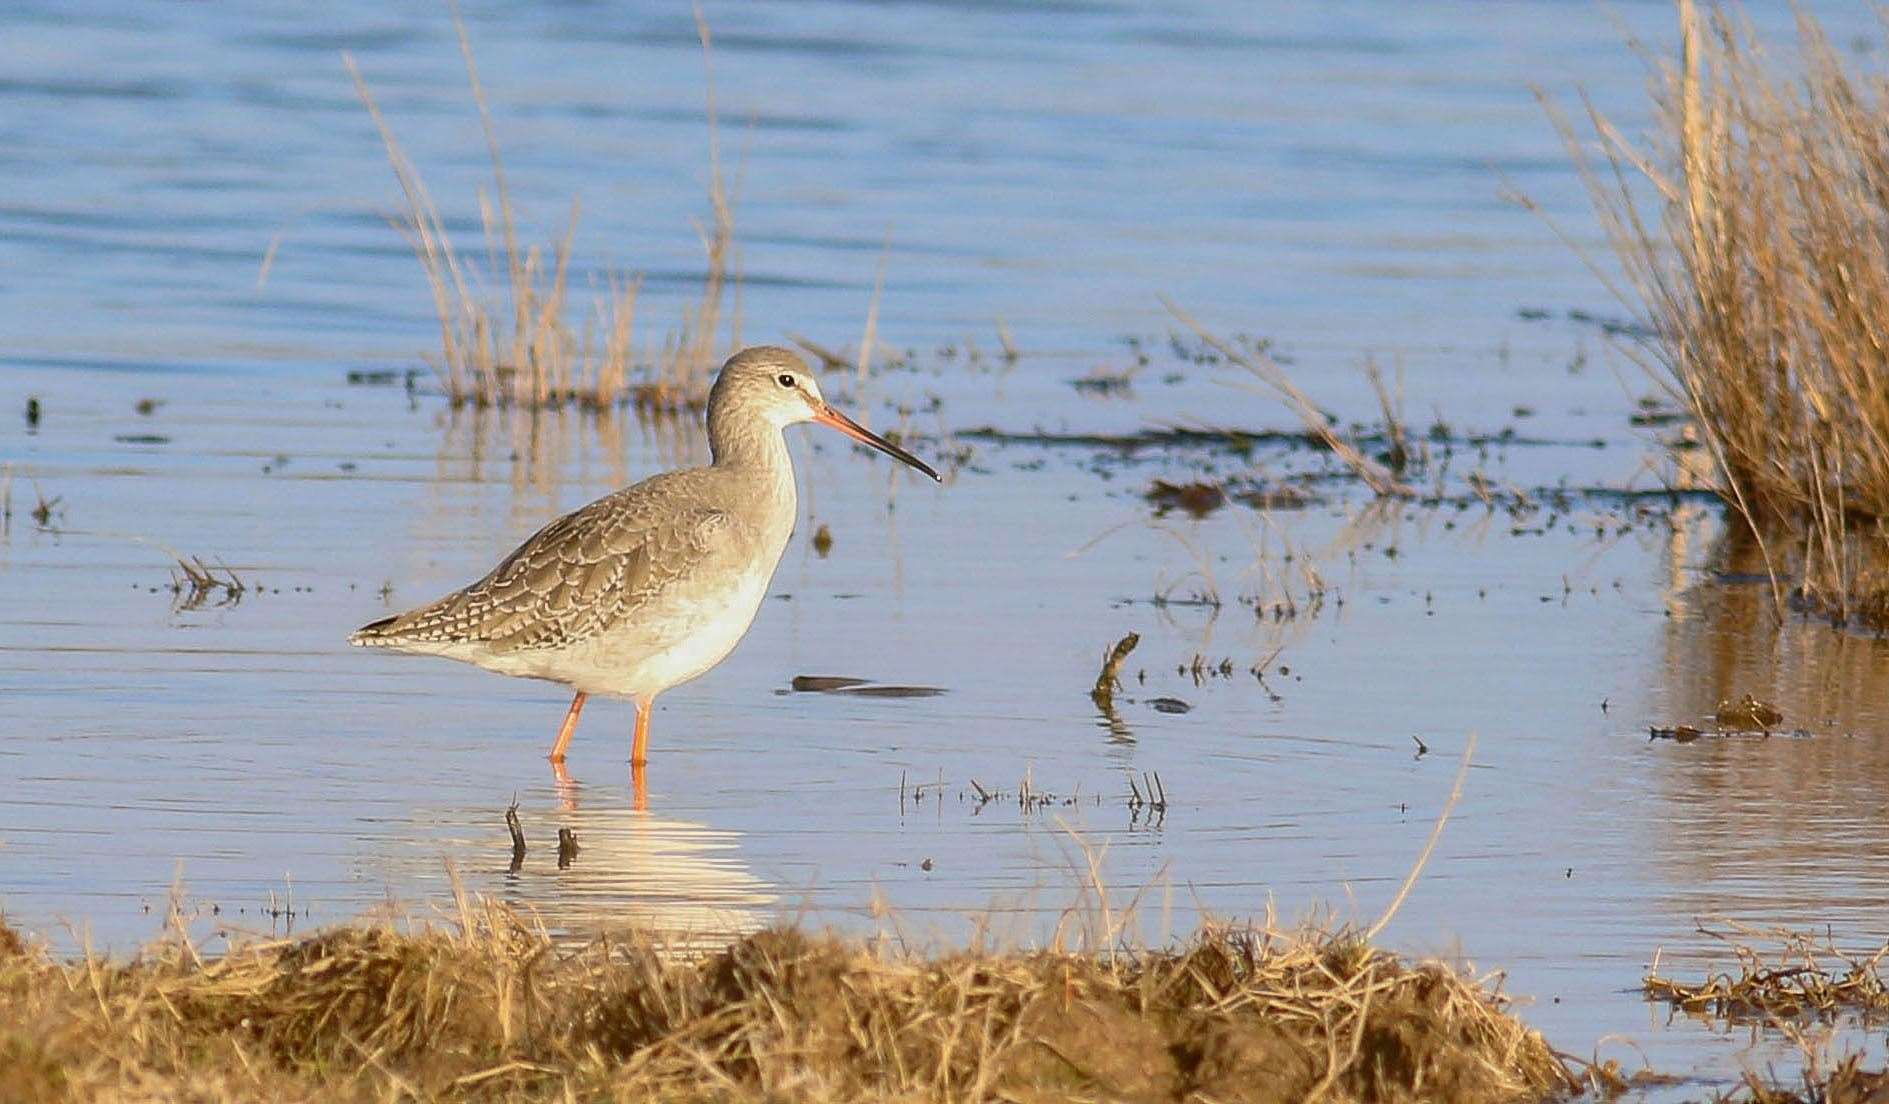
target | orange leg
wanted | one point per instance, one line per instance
(639, 746)
(568, 729)
(639, 754)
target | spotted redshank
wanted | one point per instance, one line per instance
(652, 585)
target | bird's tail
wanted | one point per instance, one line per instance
(376, 634)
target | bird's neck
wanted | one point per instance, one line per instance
(754, 454)
(748, 443)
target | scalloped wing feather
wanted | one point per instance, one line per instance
(579, 576)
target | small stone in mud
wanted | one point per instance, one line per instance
(1169, 705)
(1748, 714)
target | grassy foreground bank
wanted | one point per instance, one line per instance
(494, 1010)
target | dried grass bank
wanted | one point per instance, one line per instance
(496, 1011)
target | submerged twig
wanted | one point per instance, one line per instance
(193, 582)
(1436, 833)
(44, 508)
(518, 835)
(1380, 479)
(1103, 693)
(1004, 339)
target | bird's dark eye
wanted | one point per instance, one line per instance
(786, 380)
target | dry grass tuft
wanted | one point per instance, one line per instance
(496, 1011)
(194, 582)
(1780, 976)
(1760, 262)
(1848, 1083)
(513, 335)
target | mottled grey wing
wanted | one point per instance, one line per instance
(578, 576)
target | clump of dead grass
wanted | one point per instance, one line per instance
(1780, 976)
(511, 332)
(494, 1010)
(1848, 1083)
(1760, 264)
(194, 582)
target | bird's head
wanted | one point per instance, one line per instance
(775, 385)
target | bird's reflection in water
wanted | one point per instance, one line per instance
(681, 881)
(569, 788)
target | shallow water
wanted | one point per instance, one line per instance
(1328, 176)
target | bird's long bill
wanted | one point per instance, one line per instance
(826, 415)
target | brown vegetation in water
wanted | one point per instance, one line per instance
(1382, 477)
(507, 336)
(496, 1011)
(1848, 1083)
(1786, 980)
(1780, 976)
(1760, 264)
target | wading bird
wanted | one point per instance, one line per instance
(652, 585)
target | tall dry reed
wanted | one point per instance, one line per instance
(510, 330)
(1759, 260)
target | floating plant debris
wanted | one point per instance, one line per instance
(1748, 714)
(821, 684)
(865, 688)
(1780, 975)
(1197, 498)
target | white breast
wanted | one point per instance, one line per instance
(691, 626)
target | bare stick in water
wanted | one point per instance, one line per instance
(1105, 683)
(518, 835)
(1436, 833)
(1380, 479)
